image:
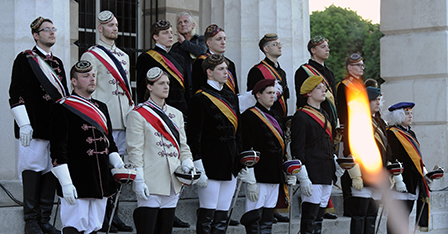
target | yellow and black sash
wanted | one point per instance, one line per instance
(379, 134)
(223, 106)
(168, 65)
(230, 79)
(319, 118)
(270, 73)
(329, 95)
(271, 126)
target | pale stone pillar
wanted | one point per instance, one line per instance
(247, 21)
(15, 37)
(414, 63)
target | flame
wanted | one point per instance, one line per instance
(361, 139)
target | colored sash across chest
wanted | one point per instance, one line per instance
(412, 147)
(379, 135)
(114, 67)
(161, 122)
(273, 126)
(230, 79)
(46, 76)
(168, 65)
(223, 105)
(270, 73)
(329, 95)
(319, 118)
(87, 111)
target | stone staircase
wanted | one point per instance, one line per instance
(11, 217)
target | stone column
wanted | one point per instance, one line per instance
(15, 37)
(247, 21)
(414, 63)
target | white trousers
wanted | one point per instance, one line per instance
(159, 201)
(86, 215)
(321, 195)
(267, 197)
(367, 192)
(35, 157)
(120, 140)
(217, 195)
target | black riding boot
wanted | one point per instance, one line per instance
(266, 221)
(319, 220)
(70, 230)
(309, 215)
(47, 190)
(204, 222)
(219, 222)
(370, 220)
(116, 221)
(165, 220)
(358, 209)
(31, 184)
(250, 220)
(145, 219)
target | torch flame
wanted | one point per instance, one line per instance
(361, 138)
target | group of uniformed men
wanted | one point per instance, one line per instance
(188, 116)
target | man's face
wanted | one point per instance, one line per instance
(85, 84)
(219, 74)
(184, 25)
(318, 93)
(217, 44)
(161, 88)
(109, 30)
(321, 52)
(267, 97)
(165, 38)
(274, 48)
(375, 105)
(356, 69)
(408, 119)
(45, 38)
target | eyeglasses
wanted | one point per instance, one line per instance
(47, 29)
(359, 65)
(276, 44)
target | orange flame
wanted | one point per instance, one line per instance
(361, 139)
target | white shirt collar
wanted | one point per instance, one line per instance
(162, 47)
(43, 51)
(214, 84)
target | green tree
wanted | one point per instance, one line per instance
(348, 33)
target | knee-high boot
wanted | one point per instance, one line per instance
(145, 219)
(47, 190)
(31, 214)
(219, 222)
(70, 230)
(370, 220)
(165, 220)
(250, 220)
(204, 222)
(266, 221)
(309, 215)
(319, 220)
(358, 210)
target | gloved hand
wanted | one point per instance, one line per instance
(339, 170)
(278, 89)
(427, 179)
(291, 180)
(355, 175)
(187, 165)
(203, 180)
(400, 186)
(68, 190)
(115, 160)
(305, 183)
(140, 187)
(26, 131)
(252, 191)
(247, 175)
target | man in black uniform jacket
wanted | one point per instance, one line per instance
(37, 81)
(214, 138)
(172, 63)
(82, 148)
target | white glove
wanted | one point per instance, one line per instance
(140, 187)
(247, 175)
(355, 175)
(252, 192)
(339, 170)
(187, 165)
(203, 180)
(291, 180)
(115, 160)
(305, 182)
(400, 186)
(278, 89)
(68, 190)
(23, 121)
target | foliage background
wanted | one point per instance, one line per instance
(348, 33)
